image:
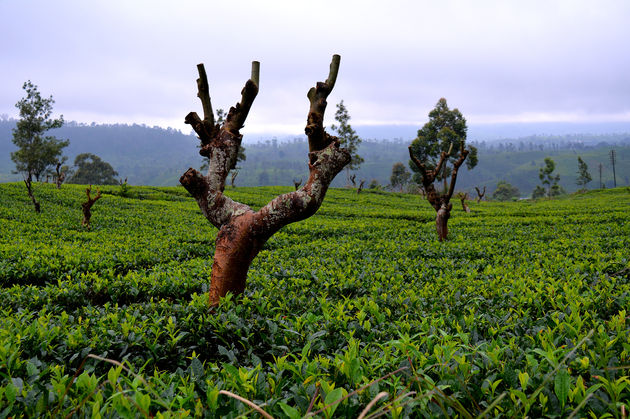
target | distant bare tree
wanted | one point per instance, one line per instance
(297, 183)
(87, 206)
(361, 184)
(463, 196)
(480, 194)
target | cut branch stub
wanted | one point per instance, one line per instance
(243, 232)
(87, 206)
(318, 139)
(204, 95)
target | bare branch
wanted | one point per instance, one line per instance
(318, 139)
(462, 156)
(238, 113)
(204, 95)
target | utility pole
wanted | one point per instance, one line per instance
(613, 158)
(600, 177)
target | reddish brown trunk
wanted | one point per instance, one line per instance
(87, 206)
(441, 221)
(243, 232)
(235, 249)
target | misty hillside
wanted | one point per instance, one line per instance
(157, 156)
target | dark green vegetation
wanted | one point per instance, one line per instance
(90, 169)
(36, 152)
(522, 312)
(155, 156)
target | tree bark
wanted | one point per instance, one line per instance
(87, 206)
(242, 231)
(29, 189)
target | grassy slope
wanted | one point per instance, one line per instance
(334, 302)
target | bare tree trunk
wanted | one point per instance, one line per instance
(463, 196)
(242, 231)
(441, 221)
(360, 188)
(61, 176)
(87, 206)
(29, 190)
(480, 194)
(297, 183)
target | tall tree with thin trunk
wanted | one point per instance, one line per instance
(348, 138)
(243, 231)
(584, 177)
(37, 152)
(441, 141)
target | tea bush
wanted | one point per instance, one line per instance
(524, 311)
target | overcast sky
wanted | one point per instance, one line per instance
(497, 61)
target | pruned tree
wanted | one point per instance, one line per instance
(480, 194)
(243, 231)
(297, 183)
(463, 197)
(87, 206)
(353, 179)
(61, 172)
(441, 141)
(361, 184)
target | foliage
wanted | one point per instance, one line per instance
(400, 176)
(549, 183)
(91, 170)
(36, 152)
(446, 130)
(523, 312)
(348, 137)
(584, 177)
(505, 191)
(155, 156)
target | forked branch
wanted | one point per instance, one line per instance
(463, 153)
(87, 206)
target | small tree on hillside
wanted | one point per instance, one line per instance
(584, 177)
(93, 171)
(348, 137)
(505, 191)
(243, 231)
(400, 176)
(440, 141)
(37, 152)
(549, 183)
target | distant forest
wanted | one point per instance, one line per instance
(156, 156)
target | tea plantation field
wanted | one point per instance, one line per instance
(357, 311)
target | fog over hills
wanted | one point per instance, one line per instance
(514, 152)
